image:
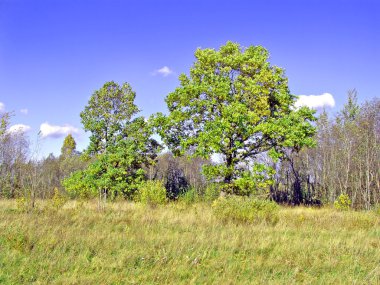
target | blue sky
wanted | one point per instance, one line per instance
(55, 53)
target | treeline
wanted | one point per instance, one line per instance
(25, 176)
(232, 128)
(346, 159)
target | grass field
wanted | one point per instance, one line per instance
(178, 244)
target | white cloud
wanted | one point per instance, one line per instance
(316, 101)
(52, 131)
(2, 107)
(19, 128)
(24, 111)
(217, 158)
(164, 71)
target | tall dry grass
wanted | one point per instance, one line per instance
(128, 243)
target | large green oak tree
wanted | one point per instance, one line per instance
(237, 105)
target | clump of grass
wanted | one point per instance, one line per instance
(212, 192)
(246, 209)
(22, 204)
(376, 210)
(189, 197)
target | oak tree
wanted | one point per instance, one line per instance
(235, 104)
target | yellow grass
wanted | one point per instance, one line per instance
(128, 243)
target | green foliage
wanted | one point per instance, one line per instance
(58, 200)
(4, 123)
(120, 146)
(108, 111)
(212, 192)
(69, 146)
(235, 104)
(152, 193)
(255, 181)
(343, 203)
(119, 170)
(245, 209)
(351, 109)
(80, 185)
(190, 196)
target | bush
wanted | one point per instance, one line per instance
(246, 209)
(212, 192)
(343, 203)
(58, 200)
(77, 185)
(151, 193)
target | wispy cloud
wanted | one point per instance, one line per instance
(2, 107)
(53, 131)
(19, 128)
(164, 71)
(316, 101)
(24, 111)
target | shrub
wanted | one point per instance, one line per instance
(78, 185)
(343, 203)
(212, 192)
(58, 200)
(151, 193)
(246, 209)
(255, 181)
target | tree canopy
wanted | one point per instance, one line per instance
(107, 113)
(234, 103)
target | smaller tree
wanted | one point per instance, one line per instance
(71, 161)
(69, 146)
(107, 113)
(120, 145)
(14, 150)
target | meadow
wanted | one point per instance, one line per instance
(179, 243)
